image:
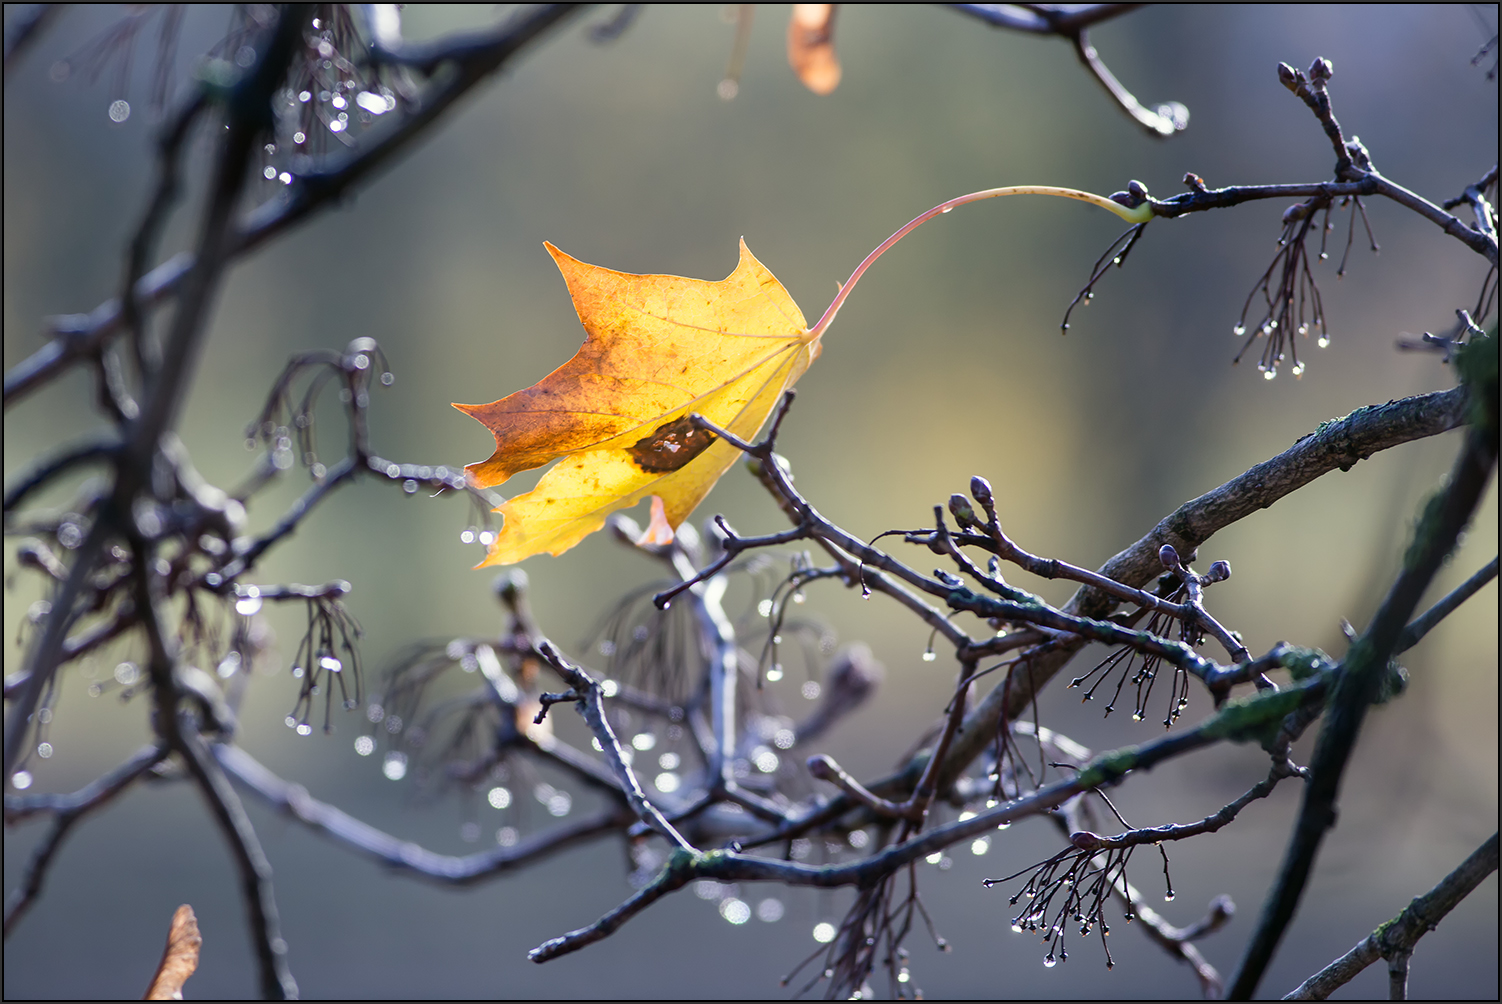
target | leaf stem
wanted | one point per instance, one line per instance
(1140, 214)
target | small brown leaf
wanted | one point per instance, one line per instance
(180, 958)
(811, 46)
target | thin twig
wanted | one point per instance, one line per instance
(404, 855)
(475, 59)
(65, 811)
(26, 30)
(1403, 932)
(1426, 622)
(255, 870)
(1072, 21)
(1335, 445)
(1236, 722)
(58, 464)
(590, 699)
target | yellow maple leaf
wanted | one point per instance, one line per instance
(659, 348)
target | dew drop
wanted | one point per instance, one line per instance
(1049, 961)
(947, 209)
(395, 766)
(929, 656)
(1324, 341)
(119, 110)
(734, 910)
(1239, 330)
(1270, 373)
(21, 780)
(305, 729)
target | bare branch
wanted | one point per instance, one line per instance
(1399, 935)
(27, 29)
(473, 60)
(1430, 618)
(404, 855)
(56, 465)
(590, 698)
(1335, 445)
(65, 811)
(255, 870)
(1363, 671)
(1072, 21)
(1236, 721)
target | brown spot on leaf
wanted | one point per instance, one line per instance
(671, 446)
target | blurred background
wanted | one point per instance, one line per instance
(945, 363)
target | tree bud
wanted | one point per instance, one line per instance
(961, 510)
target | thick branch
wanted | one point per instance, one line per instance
(1360, 681)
